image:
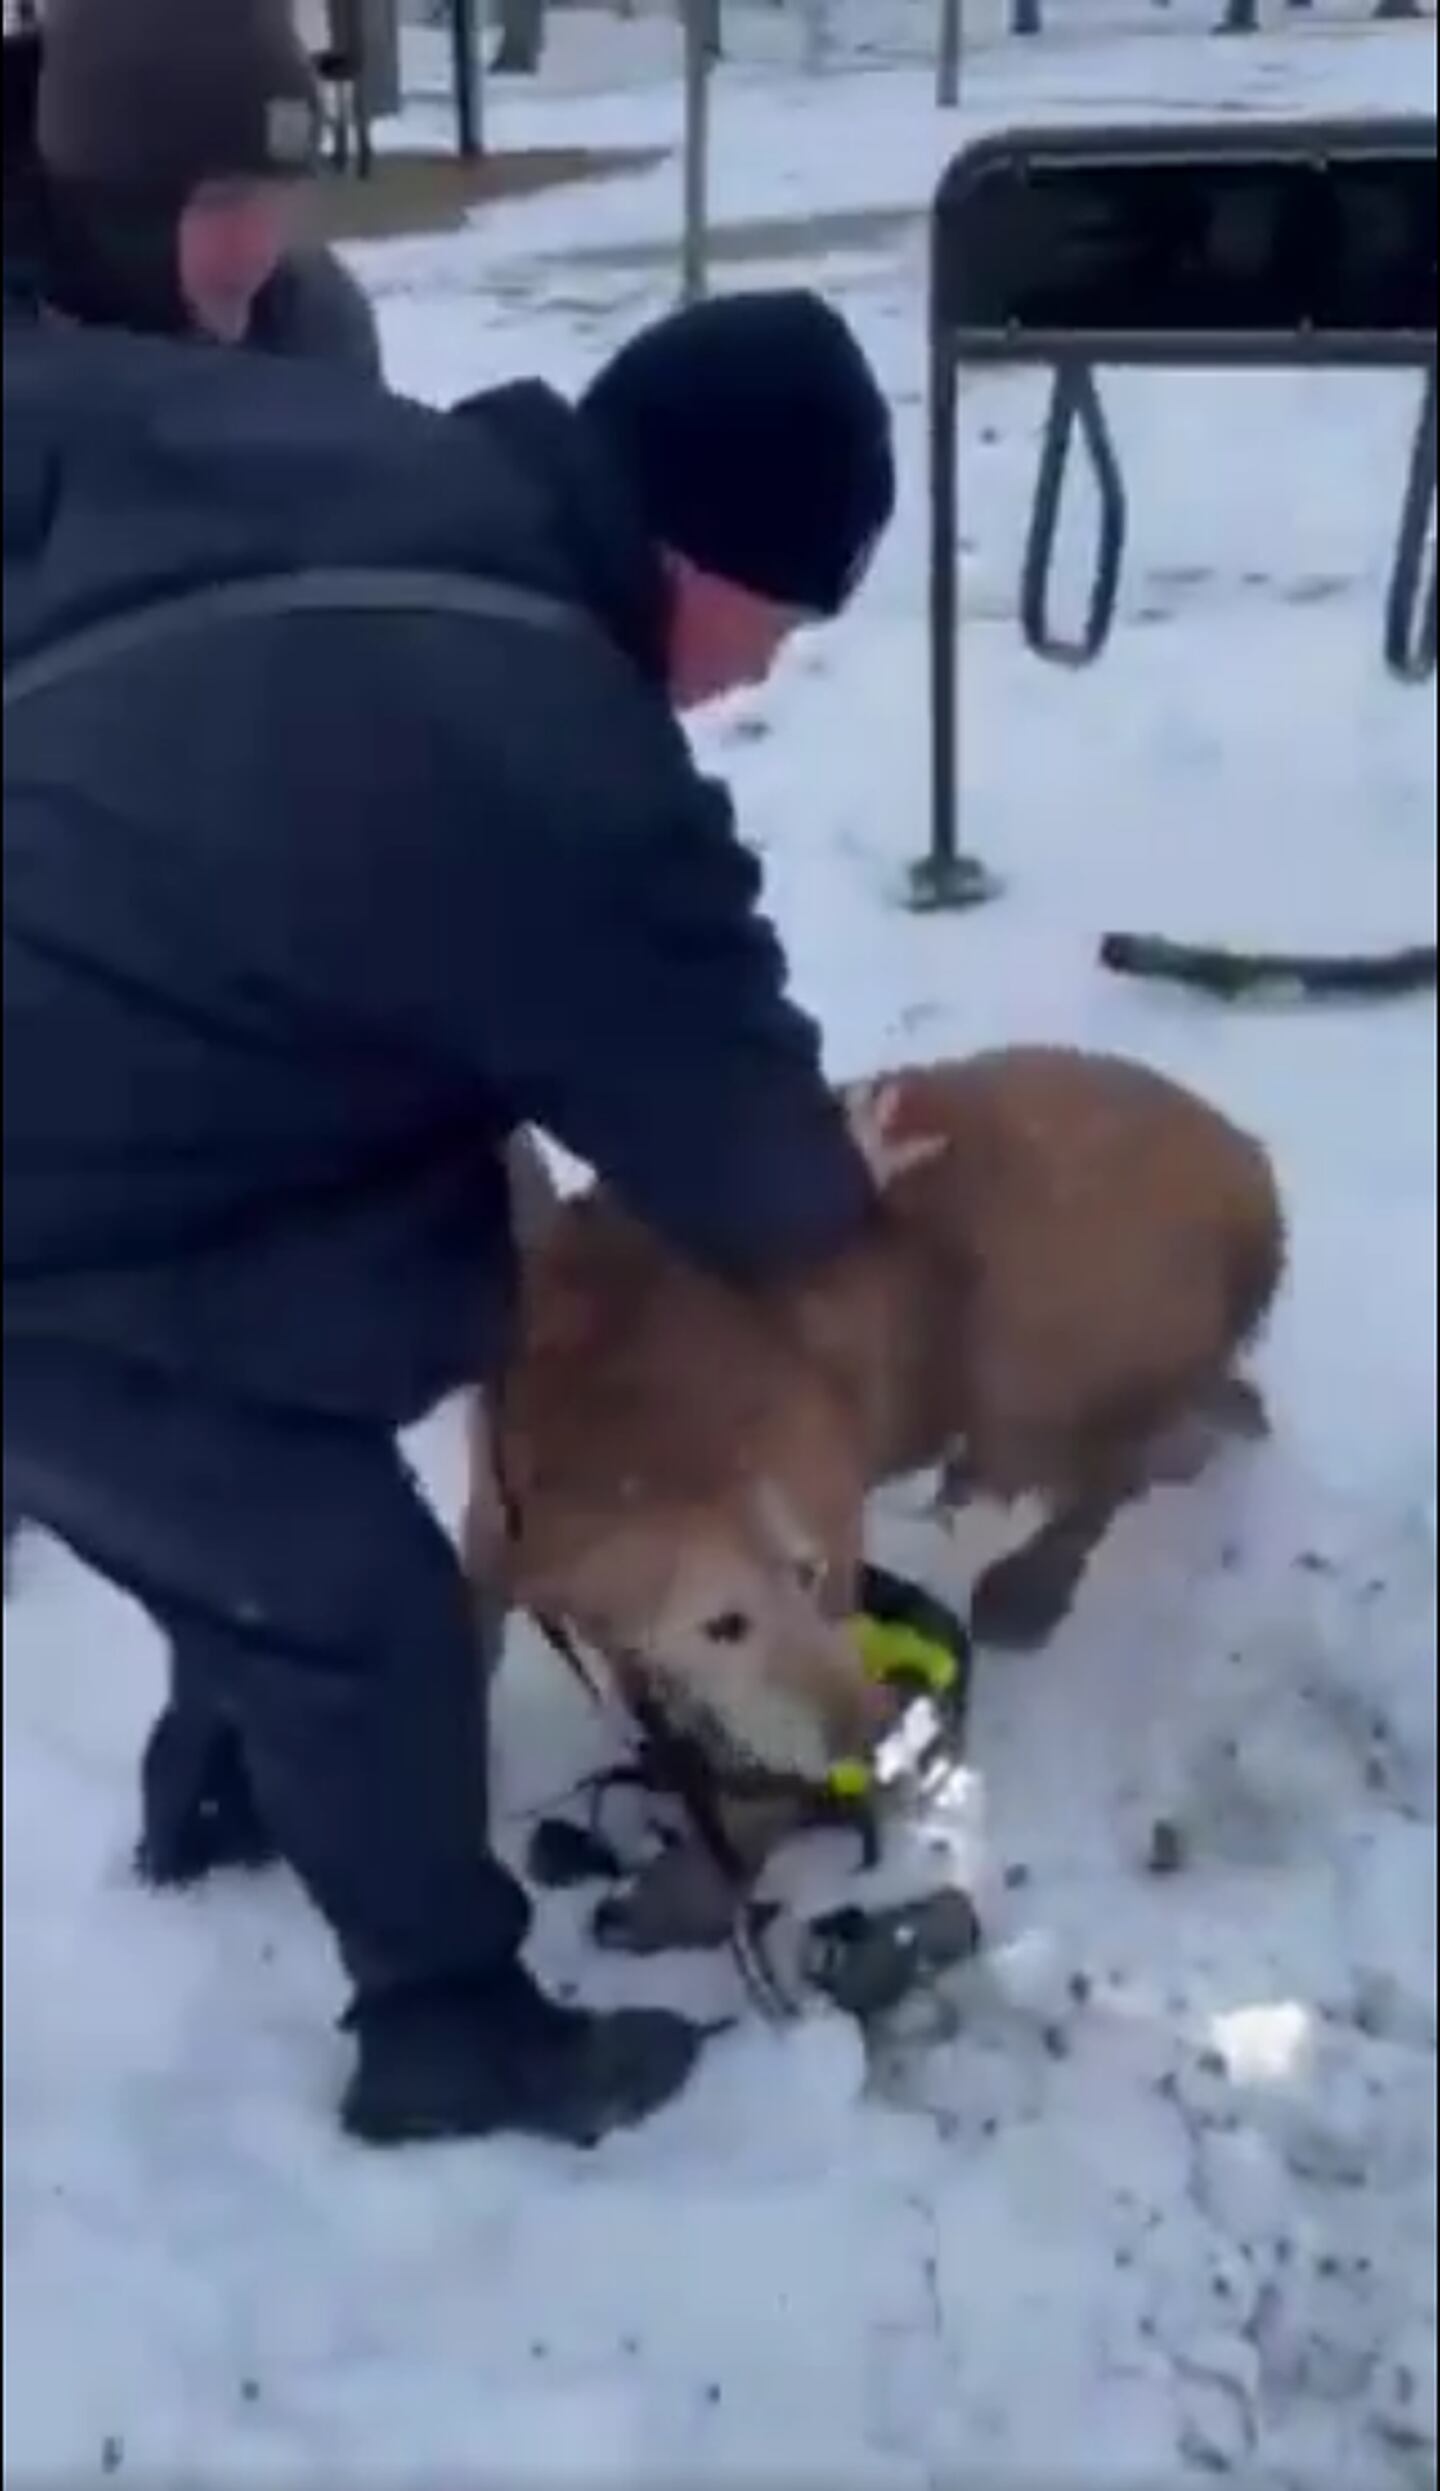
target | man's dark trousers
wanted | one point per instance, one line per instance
(314, 1604)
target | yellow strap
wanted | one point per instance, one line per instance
(903, 1652)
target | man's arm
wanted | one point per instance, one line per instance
(515, 876)
(643, 1021)
(511, 876)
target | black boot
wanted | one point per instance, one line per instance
(197, 1807)
(479, 2062)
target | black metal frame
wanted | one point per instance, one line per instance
(948, 877)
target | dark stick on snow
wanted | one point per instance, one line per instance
(1238, 975)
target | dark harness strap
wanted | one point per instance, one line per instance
(684, 1770)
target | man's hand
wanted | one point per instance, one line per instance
(870, 1111)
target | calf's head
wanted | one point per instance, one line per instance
(686, 1487)
(733, 1612)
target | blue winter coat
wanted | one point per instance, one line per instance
(304, 914)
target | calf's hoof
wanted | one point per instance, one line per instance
(680, 1900)
(868, 1963)
(1018, 1602)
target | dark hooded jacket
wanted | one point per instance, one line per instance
(311, 307)
(304, 914)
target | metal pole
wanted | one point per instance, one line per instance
(947, 58)
(816, 35)
(947, 878)
(1410, 599)
(463, 49)
(699, 33)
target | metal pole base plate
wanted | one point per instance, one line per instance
(951, 883)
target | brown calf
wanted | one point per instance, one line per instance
(1053, 1303)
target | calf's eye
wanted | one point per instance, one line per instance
(729, 1626)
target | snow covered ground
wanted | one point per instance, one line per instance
(1165, 2200)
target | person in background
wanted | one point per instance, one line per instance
(155, 162)
(307, 909)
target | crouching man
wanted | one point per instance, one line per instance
(348, 827)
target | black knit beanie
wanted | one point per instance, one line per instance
(757, 442)
(153, 97)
